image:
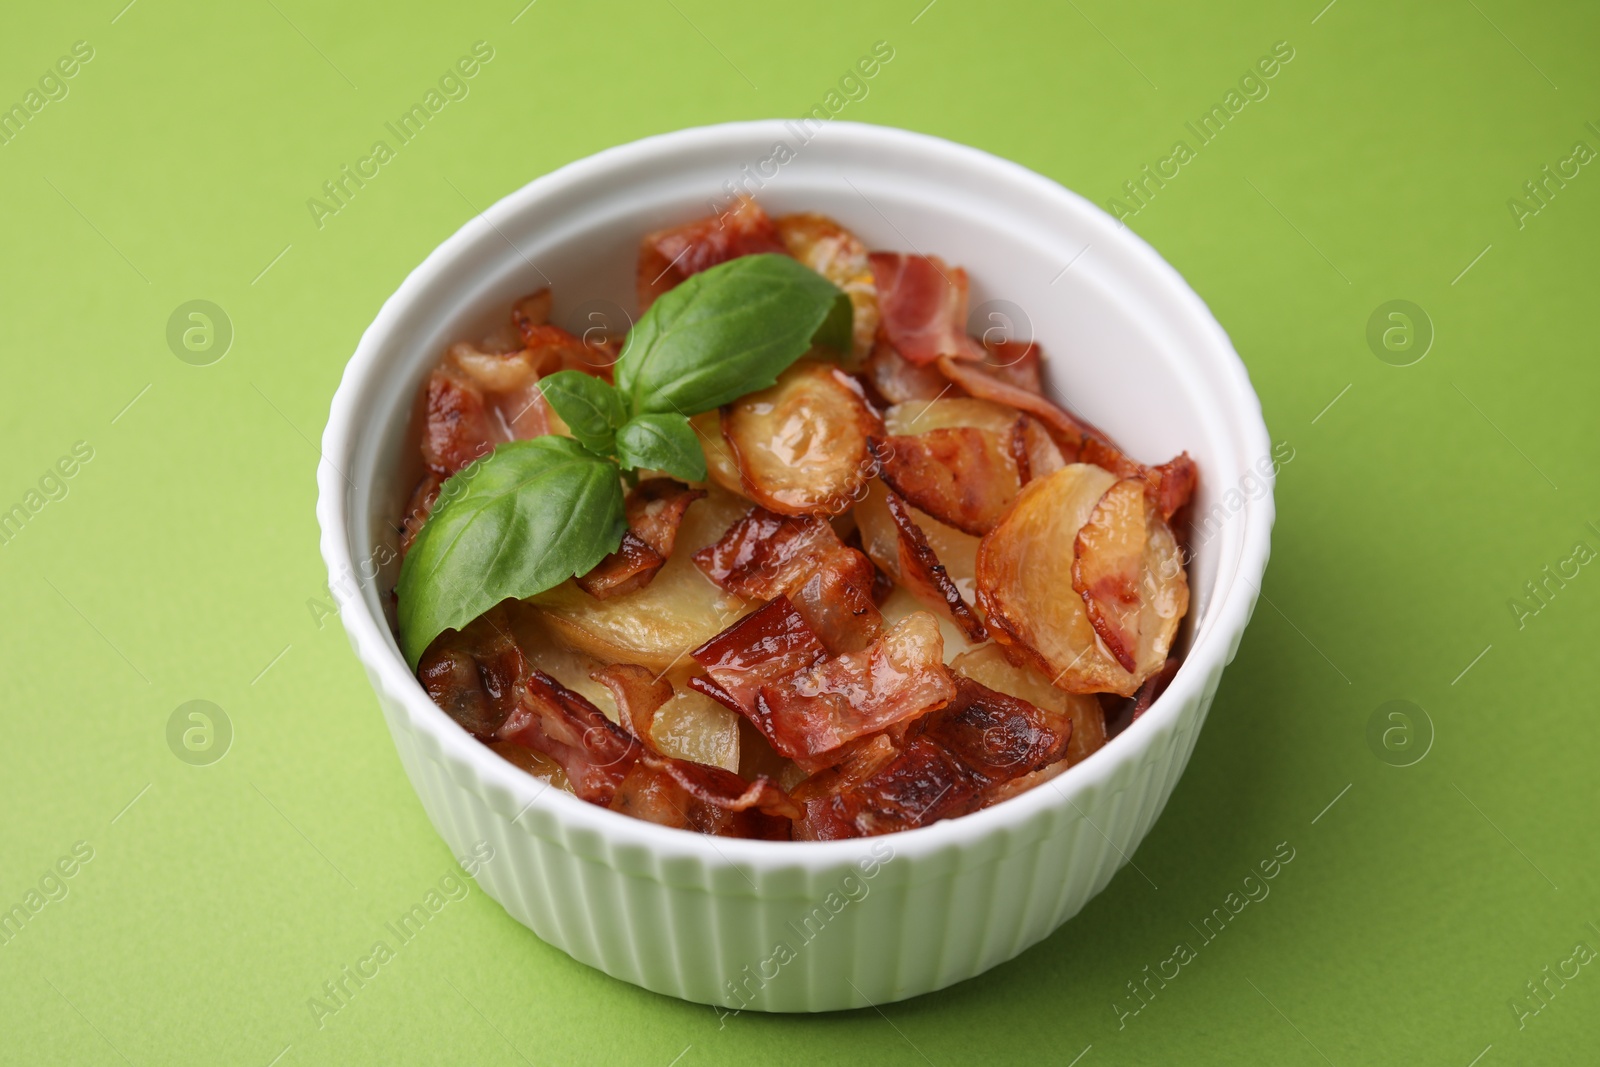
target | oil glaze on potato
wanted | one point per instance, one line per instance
(801, 445)
(1025, 586)
(653, 626)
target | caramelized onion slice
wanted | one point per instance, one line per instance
(667, 257)
(839, 256)
(809, 713)
(1023, 575)
(801, 445)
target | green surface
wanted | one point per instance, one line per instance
(181, 564)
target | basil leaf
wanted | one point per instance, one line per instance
(726, 332)
(591, 409)
(663, 442)
(527, 517)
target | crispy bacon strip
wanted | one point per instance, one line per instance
(998, 737)
(655, 509)
(920, 566)
(1170, 484)
(1013, 362)
(457, 427)
(765, 555)
(1108, 563)
(810, 713)
(627, 569)
(418, 510)
(923, 303)
(596, 753)
(963, 476)
(922, 784)
(951, 762)
(667, 257)
(607, 766)
(770, 643)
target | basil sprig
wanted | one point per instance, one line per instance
(534, 513)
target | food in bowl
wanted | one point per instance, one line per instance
(796, 559)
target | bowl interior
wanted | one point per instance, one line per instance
(1118, 348)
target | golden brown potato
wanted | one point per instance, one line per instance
(839, 256)
(920, 416)
(1025, 574)
(694, 727)
(657, 625)
(801, 445)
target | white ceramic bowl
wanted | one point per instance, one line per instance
(779, 926)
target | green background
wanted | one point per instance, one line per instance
(182, 563)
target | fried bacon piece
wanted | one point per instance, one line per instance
(1170, 485)
(923, 304)
(655, 509)
(809, 714)
(1013, 362)
(920, 569)
(765, 555)
(894, 379)
(769, 644)
(772, 668)
(801, 445)
(418, 510)
(952, 761)
(475, 400)
(963, 476)
(596, 753)
(667, 257)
